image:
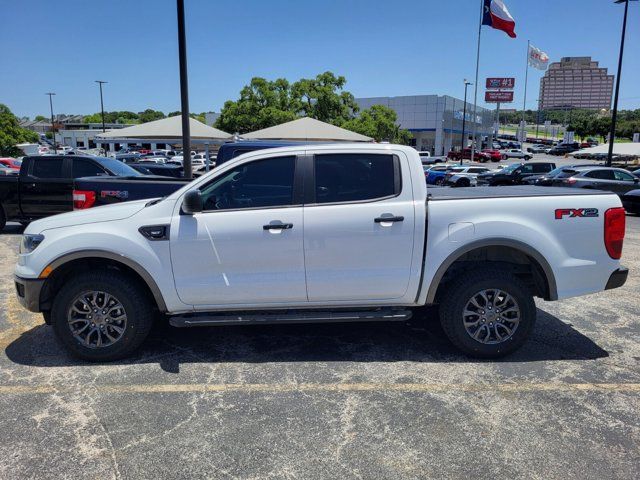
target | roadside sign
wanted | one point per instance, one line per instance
(636, 138)
(507, 83)
(547, 123)
(498, 97)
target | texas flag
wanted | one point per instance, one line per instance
(497, 16)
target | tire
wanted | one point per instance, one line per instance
(528, 157)
(505, 157)
(137, 306)
(463, 182)
(457, 297)
(438, 181)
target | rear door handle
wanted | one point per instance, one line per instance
(389, 219)
(278, 226)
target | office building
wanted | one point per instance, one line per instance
(576, 82)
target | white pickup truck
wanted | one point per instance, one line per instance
(320, 233)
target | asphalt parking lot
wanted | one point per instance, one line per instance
(328, 401)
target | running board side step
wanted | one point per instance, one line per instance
(208, 320)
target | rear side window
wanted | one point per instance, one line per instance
(47, 167)
(541, 168)
(478, 170)
(601, 174)
(85, 168)
(355, 177)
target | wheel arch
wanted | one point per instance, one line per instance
(64, 264)
(505, 246)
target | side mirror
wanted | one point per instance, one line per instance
(192, 202)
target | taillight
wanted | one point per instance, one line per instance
(614, 228)
(569, 181)
(83, 199)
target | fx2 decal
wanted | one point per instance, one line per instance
(122, 194)
(576, 212)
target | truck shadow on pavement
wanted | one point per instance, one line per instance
(420, 340)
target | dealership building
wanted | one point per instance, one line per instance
(435, 120)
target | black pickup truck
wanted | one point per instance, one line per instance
(45, 185)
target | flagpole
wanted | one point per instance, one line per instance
(475, 92)
(524, 104)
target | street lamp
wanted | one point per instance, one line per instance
(100, 82)
(464, 117)
(614, 114)
(53, 126)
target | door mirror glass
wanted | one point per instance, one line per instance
(192, 202)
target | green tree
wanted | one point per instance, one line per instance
(262, 104)
(40, 118)
(174, 114)
(379, 122)
(324, 99)
(150, 115)
(11, 133)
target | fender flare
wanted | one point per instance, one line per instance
(494, 242)
(118, 258)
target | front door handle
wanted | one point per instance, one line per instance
(276, 225)
(389, 219)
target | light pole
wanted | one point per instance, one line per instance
(614, 114)
(100, 82)
(184, 92)
(464, 118)
(53, 126)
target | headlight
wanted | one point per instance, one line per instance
(30, 242)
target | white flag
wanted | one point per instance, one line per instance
(537, 58)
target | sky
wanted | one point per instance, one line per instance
(383, 48)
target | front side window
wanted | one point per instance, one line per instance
(624, 176)
(259, 184)
(349, 177)
(86, 168)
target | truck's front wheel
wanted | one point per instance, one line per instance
(487, 313)
(102, 315)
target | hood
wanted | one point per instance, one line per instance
(106, 213)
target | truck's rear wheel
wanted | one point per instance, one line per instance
(102, 315)
(487, 313)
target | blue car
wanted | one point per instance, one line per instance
(435, 175)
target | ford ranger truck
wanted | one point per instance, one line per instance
(322, 233)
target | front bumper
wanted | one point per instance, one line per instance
(28, 292)
(617, 278)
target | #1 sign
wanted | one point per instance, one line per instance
(507, 83)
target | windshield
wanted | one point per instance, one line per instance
(118, 168)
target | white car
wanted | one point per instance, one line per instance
(515, 153)
(319, 233)
(160, 160)
(464, 176)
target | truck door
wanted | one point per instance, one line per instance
(358, 227)
(47, 187)
(246, 247)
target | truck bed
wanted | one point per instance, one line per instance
(444, 193)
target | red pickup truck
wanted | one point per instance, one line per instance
(465, 154)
